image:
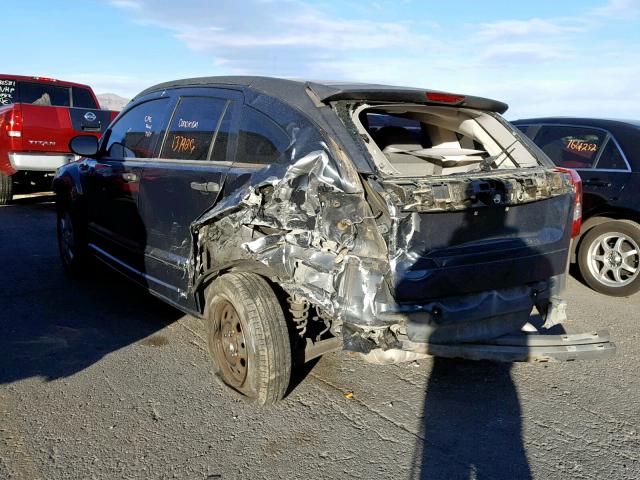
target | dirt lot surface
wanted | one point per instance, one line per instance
(100, 380)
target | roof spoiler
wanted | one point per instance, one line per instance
(328, 93)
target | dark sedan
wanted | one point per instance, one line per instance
(295, 218)
(606, 153)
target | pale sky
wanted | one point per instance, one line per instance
(543, 57)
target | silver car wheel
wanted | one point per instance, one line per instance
(613, 259)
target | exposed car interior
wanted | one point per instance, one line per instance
(414, 140)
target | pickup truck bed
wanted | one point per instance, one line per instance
(38, 117)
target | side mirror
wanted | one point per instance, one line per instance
(84, 145)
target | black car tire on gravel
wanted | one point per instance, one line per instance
(6, 189)
(609, 258)
(72, 241)
(247, 337)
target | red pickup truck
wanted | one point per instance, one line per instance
(38, 117)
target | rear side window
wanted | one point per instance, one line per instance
(136, 133)
(82, 98)
(261, 140)
(611, 158)
(221, 143)
(193, 128)
(44, 94)
(571, 147)
(7, 91)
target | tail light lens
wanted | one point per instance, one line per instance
(576, 181)
(13, 122)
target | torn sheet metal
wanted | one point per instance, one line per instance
(307, 227)
(364, 249)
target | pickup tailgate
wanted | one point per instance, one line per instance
(49, 128)
(455, 235)
(85, 120)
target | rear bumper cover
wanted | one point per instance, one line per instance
(511, 325)
(39, 162)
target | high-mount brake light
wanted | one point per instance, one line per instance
(576, 181)
(46, 79)
(444, 97)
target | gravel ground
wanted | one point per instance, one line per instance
(100, 380)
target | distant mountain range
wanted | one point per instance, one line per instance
(111, 101)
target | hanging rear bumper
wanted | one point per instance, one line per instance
(524, 347)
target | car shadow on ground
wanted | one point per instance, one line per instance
(60, 332)
(54, 326)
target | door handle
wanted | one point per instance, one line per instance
(205, 186)
(596, 183)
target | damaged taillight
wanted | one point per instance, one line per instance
(576, 181)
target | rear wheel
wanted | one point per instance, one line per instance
(609, 258)
(247, 337)
(6, 188)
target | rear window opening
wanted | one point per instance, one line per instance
(44, 94)
(417, 140)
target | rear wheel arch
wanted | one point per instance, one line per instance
(206, 278)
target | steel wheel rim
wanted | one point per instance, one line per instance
(66, 237)
(614, 259)
(230, 343)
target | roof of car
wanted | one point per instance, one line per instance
(328, 91)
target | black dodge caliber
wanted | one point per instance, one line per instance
(295, 218)
(606, 155)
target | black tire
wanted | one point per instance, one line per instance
(6, 189)
(600, 256)
(248, 337)
(72, 241)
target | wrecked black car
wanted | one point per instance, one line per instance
(297, 216)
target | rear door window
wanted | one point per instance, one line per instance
(82, 98)
(571, 147)
(8, 91)
(192, 131)
(137, 132)
(611, 158)
(44, 94)
(261, 140)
